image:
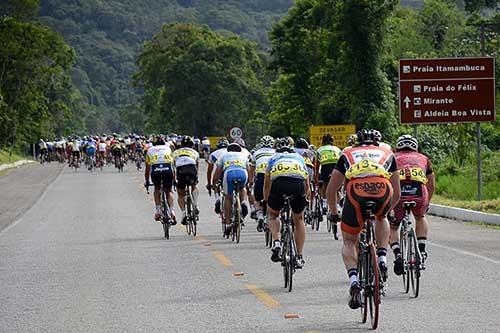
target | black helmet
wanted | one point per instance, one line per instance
(301, 143)
(234, 147)
(366, 136)
(159, 141)
(187, 141)
(222, 143)
(327, 139)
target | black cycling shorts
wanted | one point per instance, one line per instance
(162, 173)
(325, 172)
(287, 186)
(186, 174)
(258, 187)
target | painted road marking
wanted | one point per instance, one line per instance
(222, 258)
(465, 253)
(264, 297)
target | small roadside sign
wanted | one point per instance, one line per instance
(454, 90)
(213, 141)
(235, 133)
(340, 133)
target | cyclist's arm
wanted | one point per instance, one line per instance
(431, 185)
(251, 173)
(332, 190)
(147, 173)
(209, 173)
(396, 189)
(217, 174)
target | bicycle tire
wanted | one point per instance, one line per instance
(361, 278)
(238, 219)
(188, 216)
(415, 268)
(291, 260)
(165, 222)
(403, 246)
(411, 262)
(194, 218)
(284, 255)
(374, 280)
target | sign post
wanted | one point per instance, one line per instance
(453, 90)
(339, 133)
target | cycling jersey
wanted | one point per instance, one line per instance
(235, 166)
(260, 158)
(206, 144)
(328, 154)
(286, 165)
(76, 146)
(233, 160)
(367, 161)
(308, 156)
(157, 155)
(102, 147)
(214, 156)
(185, 156)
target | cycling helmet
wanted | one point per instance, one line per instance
(327, 139)
(312, 147)
(222, 143)
(290, 141)
(302, 143)
(187, 141)
(366, 136)
(240, 142)
(234, 147)
(283, 145)
(407, 142)
(352, 140)
(377, 135)
(266, 141)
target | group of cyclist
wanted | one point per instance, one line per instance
(367, 170)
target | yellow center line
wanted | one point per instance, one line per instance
(264, 297)
(222, 258)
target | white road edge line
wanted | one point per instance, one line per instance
(42, 195)
(465, 252)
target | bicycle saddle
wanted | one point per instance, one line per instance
(409, 204)
(369, 208)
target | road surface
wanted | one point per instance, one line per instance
(87, 257)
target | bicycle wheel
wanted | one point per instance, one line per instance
(291, 260)
(237, 218)
(414, 265)
(374, 287)
(165, 216)
(188, 215)
(284, 256)
(194, 218)
(403, 240)
(362, 271)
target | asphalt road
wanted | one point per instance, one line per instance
(87, 257)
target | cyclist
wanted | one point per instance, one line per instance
(309, 156)
(197, 144)
(417, 184)
(328, 155)
(367, 170)
(212, 160)
(76, 147)
(90, 150)
(232, 166)
(43, 151)
(159, 167)
(257, 172)
(286, 174)
(378, 138)
(205, 145)
(186, 161)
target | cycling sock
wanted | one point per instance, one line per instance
(158, 209)
(421, 243)
(382, 255)
(396, 249)
(325, 203)
(260, 214)
(195, 197)
(353, 275)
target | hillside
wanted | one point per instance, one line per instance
(107, 35)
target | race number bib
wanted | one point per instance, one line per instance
(415, 174)
(366, 168)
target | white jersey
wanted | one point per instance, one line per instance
(214, 156)
(76, 145)
(127, 141)
(185, 156)
(102, 146)
(260, 158)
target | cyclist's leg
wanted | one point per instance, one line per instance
(298, 206)
(422, 226)
(275, 203)
(227, 190)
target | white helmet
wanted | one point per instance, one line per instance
(407, 142)
(266, 141)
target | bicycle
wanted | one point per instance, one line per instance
(192, 213)
(317, 213)
(368, 270)
(412, 258)
(288, 245)
(138, 161)
(165, 211)
(236, 220)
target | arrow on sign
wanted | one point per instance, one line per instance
(407, 102)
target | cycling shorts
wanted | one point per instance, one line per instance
(325, 172)
(91, 151)
(358, 192)
(186, 174)
(76, 153)
(162, 173)
(239, 175)
(287, 186)
(412, 191)
(258, 187)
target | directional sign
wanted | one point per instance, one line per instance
(338, 132)
(455, 90)
(235, 133)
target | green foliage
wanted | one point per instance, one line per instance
(19, 9)
(199, 81)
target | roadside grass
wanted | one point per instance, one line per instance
(6, 158)
(485, 225)
(487, 206)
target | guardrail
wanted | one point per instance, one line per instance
(464, 214)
